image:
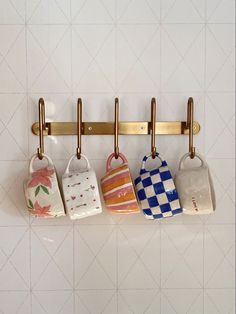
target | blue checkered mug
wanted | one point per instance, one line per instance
(156, 191)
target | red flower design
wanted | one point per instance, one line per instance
(40, 211)
(41, 176)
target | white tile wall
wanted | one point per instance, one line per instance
(99, 49)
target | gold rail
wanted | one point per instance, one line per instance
(125, 128)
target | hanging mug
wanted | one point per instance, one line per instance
(195, 187)
(42, 191)
(117, 188)
(80, 189)
(156, 191)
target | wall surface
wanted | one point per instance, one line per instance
(133, 49)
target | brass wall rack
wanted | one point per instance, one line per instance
(125, 127)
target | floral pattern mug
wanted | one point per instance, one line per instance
(42, 192)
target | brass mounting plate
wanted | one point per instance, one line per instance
(125, 128)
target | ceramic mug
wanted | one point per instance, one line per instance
(117, 188)
(42, 191)
(80, 189)
(156, 191)
(195, 187)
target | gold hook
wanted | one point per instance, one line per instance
(79, 127)
(190, 127)
(153, 127)
(116, 128)
(41, 111)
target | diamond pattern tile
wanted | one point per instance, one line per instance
(173, 12)
(138, 301)
(12, 12)
(44, 12)
(92, 54)
(220, 11)
(55, 301)
(133, 57)
(20, 305)
(103, 301)
(97, 50)
(12, 202)
(56, 252)
(138, 12)
(15, 266)
(219, 257)
(182, 301)
(102, 12)
(219, 301)
(182, 267)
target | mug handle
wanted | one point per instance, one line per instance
(75, 156)
(109, 159)
(184, 157)
(145, 158)
(49, 160)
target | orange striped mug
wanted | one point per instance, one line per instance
(117, 188)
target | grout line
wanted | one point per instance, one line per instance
(121, 23)
(71, 95)
(116, 50)
(117, 307)
(203, 265)
(204, 123)
(199, 92)
(123, 289)
(116, 92)
(160, 92)
(28, 139)
(123, 224)
(160, 268)
(74, 296)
